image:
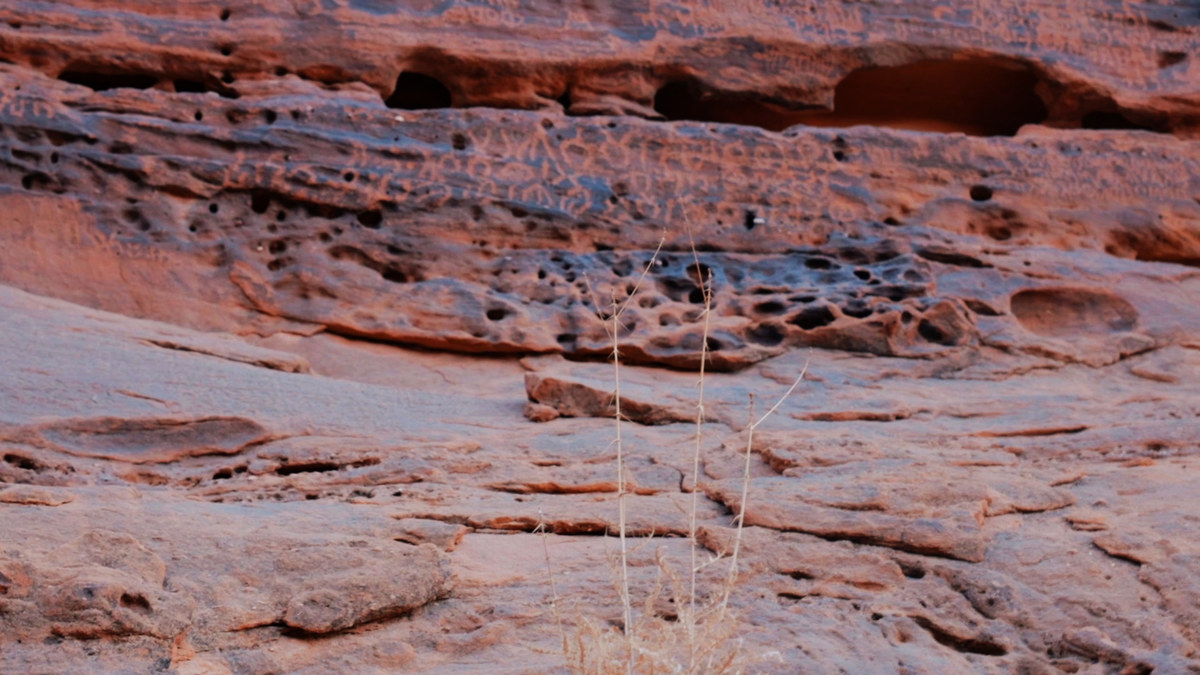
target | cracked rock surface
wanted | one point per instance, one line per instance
(301, 369)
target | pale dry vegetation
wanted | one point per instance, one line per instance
(700, 632)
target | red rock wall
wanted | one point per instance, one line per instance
(297, 192)
(984, 217)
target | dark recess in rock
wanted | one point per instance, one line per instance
(1111, 119)
(418, 91)
(979, 97)
(812, 317)
(103, 81)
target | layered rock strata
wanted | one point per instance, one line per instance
(302, 363)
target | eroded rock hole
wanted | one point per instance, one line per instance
(897, 292)
(857, 309)
(813, 317)
(186, 86)
(649, 301)
(977, 97)
(325, 211)
(22, 462)
(679, 289)
(932, 333)
(497, 314)
(135, 602)
(766, 334)
(1111, 119)
(911, 571)
(980, 193)
(950, 258)
(182, 86)
(372, 219)
(307, 467)
(623, 268)
(770, 307)
(136, 218)
(394, 275)
(700, 273)
(459, 142)
(1000, 233)
(417, 91)
(689, 100)
(106, 81)
(1168, 59)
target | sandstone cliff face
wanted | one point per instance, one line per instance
(286, 287)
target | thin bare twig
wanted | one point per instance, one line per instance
(541, 529)
(741, 516)
(707, 292)
(614, 334)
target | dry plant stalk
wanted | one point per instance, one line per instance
(741, 516)
(657, 643)
(541, 530)
(706, 632)
(705, 282)
(614, 334)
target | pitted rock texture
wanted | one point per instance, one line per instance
(842, 240)
(304, 361)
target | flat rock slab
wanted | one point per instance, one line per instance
(187, 572)
(138, 441)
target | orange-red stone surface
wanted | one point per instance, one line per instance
(299, 345)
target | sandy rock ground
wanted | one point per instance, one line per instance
(300, 367)
(226, 505)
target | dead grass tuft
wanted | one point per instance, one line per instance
(676, 629)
